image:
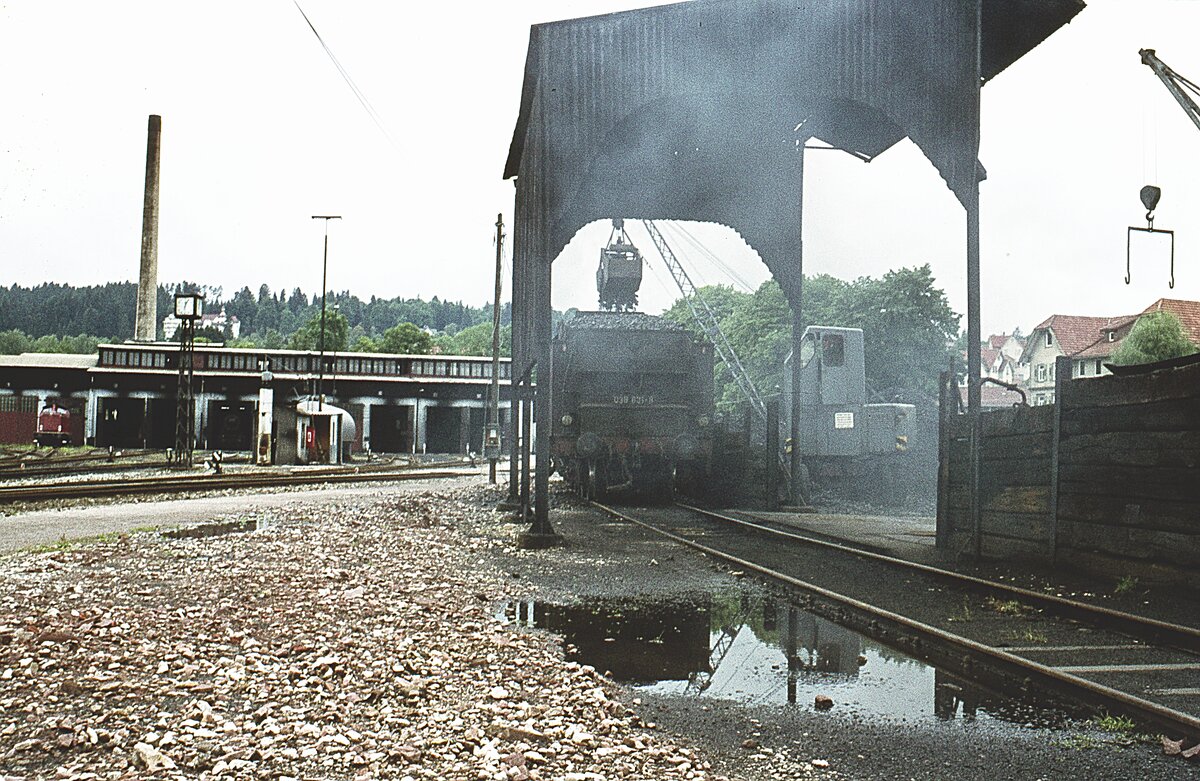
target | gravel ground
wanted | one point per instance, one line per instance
(354, 638)
(86, 505)
(59, 522)
(358, 635)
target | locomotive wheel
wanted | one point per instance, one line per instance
(584, 477)
(687, 480)
(597, 482)
(666, 490)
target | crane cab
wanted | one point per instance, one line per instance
(835, 419)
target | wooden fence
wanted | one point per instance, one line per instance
(1106, 479)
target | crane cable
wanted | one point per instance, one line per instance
(358, 93)
(738, 279)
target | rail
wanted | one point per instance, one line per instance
(1007, 664)
(1176, 635)
(88, 489)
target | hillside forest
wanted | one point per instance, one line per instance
(62, 318)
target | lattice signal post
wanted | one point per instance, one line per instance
(188, 309)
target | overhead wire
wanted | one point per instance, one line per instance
(715, 258)
(358, 93)
(691, 239)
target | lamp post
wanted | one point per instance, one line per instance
(491, 439)
(324, 286)
(189, 307)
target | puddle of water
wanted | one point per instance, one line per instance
(747, 647)
(217, 529)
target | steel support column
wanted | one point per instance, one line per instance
(516, 499)
(799, 484)
(523, 511)
(542, 407)
(974, 333)
(773, 470)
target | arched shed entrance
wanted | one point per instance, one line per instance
(700, 110)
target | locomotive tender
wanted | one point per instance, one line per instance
(633, 404)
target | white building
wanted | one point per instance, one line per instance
(217, 320)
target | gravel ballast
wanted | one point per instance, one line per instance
(359, 634)
(354, 638)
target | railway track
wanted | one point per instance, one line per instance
(1013, 639)
(184, 484)
(44, 462)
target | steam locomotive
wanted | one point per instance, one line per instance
(633, 404)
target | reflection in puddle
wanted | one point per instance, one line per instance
(750, 648)
(217, 529)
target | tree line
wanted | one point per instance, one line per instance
(909, 329)
(53, 317)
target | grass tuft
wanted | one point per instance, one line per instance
(1126, 584)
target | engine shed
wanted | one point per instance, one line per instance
(124, 397)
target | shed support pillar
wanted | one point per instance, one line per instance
(794, 290)
(464, 430)
(974, 332)
(974, 358)
(541, 533)
(421, 415)
(366, 426)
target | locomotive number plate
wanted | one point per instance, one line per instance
(627, 400)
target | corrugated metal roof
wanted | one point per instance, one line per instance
(697, 111)
(1012, 28)
(862, 73)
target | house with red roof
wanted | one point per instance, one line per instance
(1187, 312)
(1000, 359)
(1090, 343)
(1001, 356)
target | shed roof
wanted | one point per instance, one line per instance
(699, 110)
(1009, 30)
(50, 360)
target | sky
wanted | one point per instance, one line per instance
(261, 131)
